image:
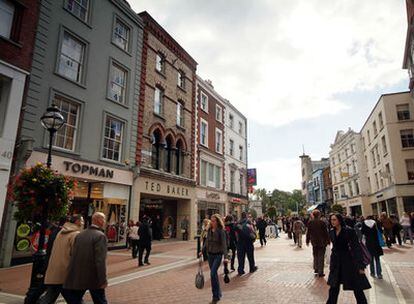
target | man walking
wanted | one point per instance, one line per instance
(246, 235)
(261, 226)
(145, 240)
(87, 267)
(298, 229)
(184, 228)
(318, 236)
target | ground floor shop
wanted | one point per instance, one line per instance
(98, 189)
(394, 200)
(356, 206)
(236, 205)
(169, 204)
(209, 202)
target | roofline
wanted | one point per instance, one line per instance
(127, 10)
(200, 81)
(372, 111)
(227, 102)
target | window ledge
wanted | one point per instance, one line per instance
(117, 102)
(181, 128)
(161, 74)
(83, 21)
(407, 148)
(114, 162)
(128, 52)
(182, 89)
(159, 116)
(70, 80)
(15, 43)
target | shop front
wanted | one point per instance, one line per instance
(168, 204)
(236, 205)
(209, 202)
(98, 188)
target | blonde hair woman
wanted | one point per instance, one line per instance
(216, 247)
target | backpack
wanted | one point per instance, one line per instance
(248, 232)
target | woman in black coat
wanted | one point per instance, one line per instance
(232, 241)
(346, 266)
(370, 231)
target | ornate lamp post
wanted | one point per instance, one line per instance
(52, 121)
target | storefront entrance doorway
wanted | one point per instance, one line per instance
(163, 214)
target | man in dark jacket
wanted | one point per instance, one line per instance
(318, 236)
(87, 266)
(246, 235)
(261, 226)
(145, 240)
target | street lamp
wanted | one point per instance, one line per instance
(52, 121)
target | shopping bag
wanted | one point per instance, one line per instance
(380, 238)
(199, 279)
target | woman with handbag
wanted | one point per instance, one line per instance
(346, 265)
(372, 241)
(216, 247)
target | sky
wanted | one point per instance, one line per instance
(298, 70)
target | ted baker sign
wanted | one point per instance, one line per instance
(166, 189)
(88, 169)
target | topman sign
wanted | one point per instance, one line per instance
(88, 169)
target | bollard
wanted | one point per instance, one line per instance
(198, 238)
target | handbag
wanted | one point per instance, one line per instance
(226, 273)
(199, 279)
(366, 256)
(380, 238)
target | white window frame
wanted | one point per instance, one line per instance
(106, 117)
(116, 36)
(241, 152)
(202, 121)
(160, 63)
(181, 79)
(219, 113)
(158, 110)
(204, 108)
(403, 109)
(124, 88)
(180, 114)
(219, 145)
(9, 9)
(77, 2)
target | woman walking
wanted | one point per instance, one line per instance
(134, 238)
(216, 247)
(405, 222)
(232, 240)
(370, 231)
(346, 266)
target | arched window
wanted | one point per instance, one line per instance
(179, 157)
(168, 163)
(156, 149)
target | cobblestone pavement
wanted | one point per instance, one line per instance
(285, 275)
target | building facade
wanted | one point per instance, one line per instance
(349, 173)
(388, 137)
(164, 189)
(327, 188)
(86, 61)
(235, 147)
(408, 61)
(210, 164)
(308, 166)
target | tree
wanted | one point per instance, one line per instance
(336, 208)
(271, 212)
(253, 213)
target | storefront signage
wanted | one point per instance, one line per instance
(212, 195)
(168, 189)
(235, 200)
(86, 169)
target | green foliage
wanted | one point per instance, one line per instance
(253, 212)
(271, 212)
(36, 186)
(336, 208)
(282, 201)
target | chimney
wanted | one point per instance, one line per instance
(210, 83)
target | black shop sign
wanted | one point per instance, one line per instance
(88, 170)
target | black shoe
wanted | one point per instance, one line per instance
(241, 273)
(254, 269)
(148, 263)
(232, 268)
(321, 275)
(140, 265)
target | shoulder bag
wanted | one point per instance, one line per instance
(199, 279)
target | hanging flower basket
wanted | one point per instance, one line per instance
(33, 187)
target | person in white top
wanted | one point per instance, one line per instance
(134, 237)
(405, 222)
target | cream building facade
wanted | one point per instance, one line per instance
(388, 137)
(349, 173)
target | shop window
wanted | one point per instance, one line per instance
(168, 166)
(156, 150)
(179, 168)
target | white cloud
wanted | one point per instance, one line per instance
(281, 61)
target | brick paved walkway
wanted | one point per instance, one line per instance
(284, 276)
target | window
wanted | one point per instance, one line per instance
(113, 139)
(380, 174)
(65, 137)
(410, 168)
(231, 146)
(369, 137)
(376, 181)
(204, 133)
(342, 191)
(156, 150)
(210, 174)
(353, 148)
(369, 184)
(203, 173)
(380, 120)
(407, 139)
(374, 126)
(356, 187)
(160, 63)
(168, 154)
(158, 102)
(204, 102)
(180, 114)
(219, 139)
(384, 145)
(117, 83)
(179, 157)
(219, 113)
(241, 152)
(403, 112)
(240, 128)
(72, 56)
(374, 163)
(181, 79)
(231, 121)
(351, 192)
(121, 35)
(218, 177)
(241, 183)
(378, 155)
(79, 8)
(231, 180)
(339, 157)
(7, 9)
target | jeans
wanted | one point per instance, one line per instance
(375, 266)
(134, 246)
(51, 295)
(75, 296)
(298, 237)
(318, 259)
(408, 233)
(334, 293)
(243, 249)
(214, 261)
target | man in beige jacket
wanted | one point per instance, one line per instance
(59, 259)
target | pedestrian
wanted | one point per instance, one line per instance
(405, 222)
(157, 228)
(134, 238)
(216, 247)
(128, 239)
(396, 229)
(87, 266)
(318, 236)
(298, 230)
(232, 241)
(346, 266)
(387, 226)
(261, 226)
(57, 269)
(184, 228)
(370, 231)
(246, 236)
(145, 241)
(412, 221)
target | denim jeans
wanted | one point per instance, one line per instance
(76, 296)
(214, 261)
(408, 234)
(375, 266)
(51, 295)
